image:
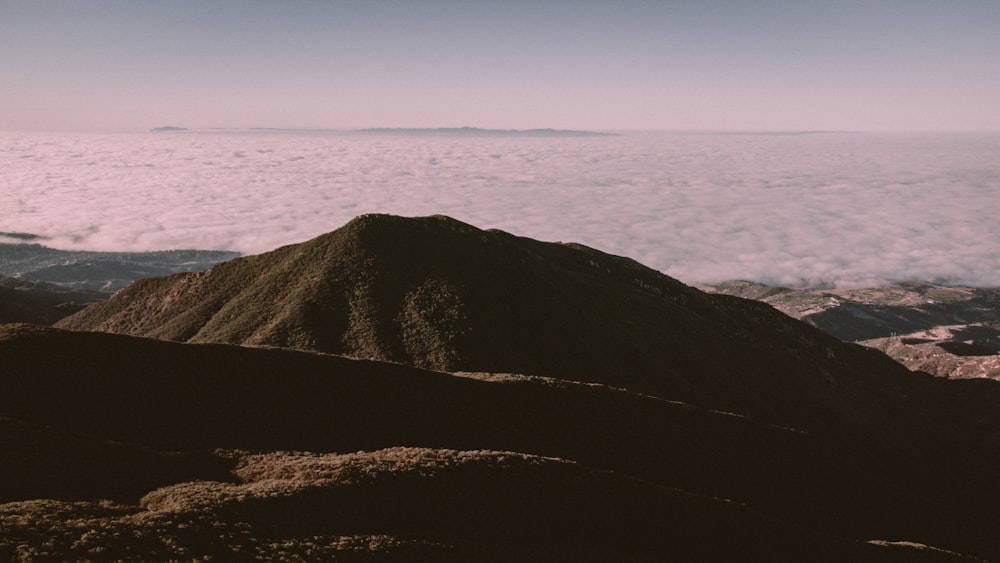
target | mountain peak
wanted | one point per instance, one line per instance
(404, 225)
(437, 293)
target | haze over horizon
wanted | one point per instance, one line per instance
(897, 65)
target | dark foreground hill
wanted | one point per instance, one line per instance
(624, 370)
(120, 447)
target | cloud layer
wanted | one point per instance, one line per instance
(814, 209)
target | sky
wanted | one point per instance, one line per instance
(117, 65)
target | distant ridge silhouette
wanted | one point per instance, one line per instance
(479, 132)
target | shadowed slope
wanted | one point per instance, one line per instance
(40, 303)
(147, 395)
(169, 396)
(43, 461)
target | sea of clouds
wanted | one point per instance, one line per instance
(818, 209)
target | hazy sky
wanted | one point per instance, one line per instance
(699, 64)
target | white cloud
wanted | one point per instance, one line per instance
(847, 209)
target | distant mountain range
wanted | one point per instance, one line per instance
(946, 331)
(477, 132)
(97, 271)
(42, 285)
(420, 131)
(409, 389)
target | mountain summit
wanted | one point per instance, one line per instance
(437, 293)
